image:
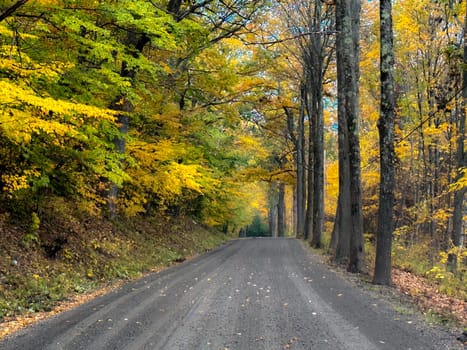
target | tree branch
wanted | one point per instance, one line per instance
(9, 11)
(278, 41)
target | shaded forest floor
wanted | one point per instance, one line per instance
(411, 289)
(425, 294)
(75, 257)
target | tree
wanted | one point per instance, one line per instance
(257, 228)
(317, 59)
(272, 209)
(68, 142)
(461, 163)
(168, 78)
(307, 39)
(281, 210)
(301, 165)
(350, 226)
(383, 266)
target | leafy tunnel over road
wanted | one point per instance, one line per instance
(249, 294)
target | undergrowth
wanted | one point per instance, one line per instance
(419, 260)
(62, 252)
(423, 276)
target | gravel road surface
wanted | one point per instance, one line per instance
(258, 294)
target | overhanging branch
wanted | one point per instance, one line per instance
(10, 10)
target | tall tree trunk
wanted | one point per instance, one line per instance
(281, 210)
(310, 101)
(273, 205)
(294, 212)
(313, 61)
(347, 46)
(301, 166)
(335, 231)
(272, 216)
(357, 251)
(459, 195)
(318, 130)
(342, 223)
(318, 175)
(382, 273)
(298, 184)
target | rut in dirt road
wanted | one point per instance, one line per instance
(253, 294)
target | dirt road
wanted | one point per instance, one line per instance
(258, 294)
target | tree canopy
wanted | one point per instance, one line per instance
(233, 110)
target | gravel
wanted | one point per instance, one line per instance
(253, 294)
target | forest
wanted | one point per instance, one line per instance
(339, 122)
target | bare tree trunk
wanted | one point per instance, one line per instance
(281, 210)
(318, 176)
(335, 232)
(313, 58)
(342, 223)
(301, 166)
(294, 212)
(348, 27)
(357, 249)
(273, 205)
(459, 195)
(310, 101)
(318, 131)
(273, 221)
(382, 273)
(298, 188)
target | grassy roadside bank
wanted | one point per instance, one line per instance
(73, 256)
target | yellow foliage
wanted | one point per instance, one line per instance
(21, 65)
(17, 182)
(237, 203)
(441, 215)
(23, 113)
(14, 182)
(436, 273)
(12, 95)
(134, 205)
(332, 188)
(174, 178)
(158, 172)
(4, 31)
(55, 2)
(247, 144)
(162, 151)
(370, 178)
(436, 131)
(461, 183)
(19, 126)
(403, 149)
(443, 257)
